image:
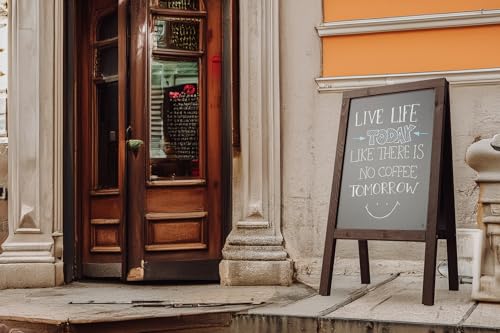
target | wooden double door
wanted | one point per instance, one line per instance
(149, 138)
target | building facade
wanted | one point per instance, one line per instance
(200, 145)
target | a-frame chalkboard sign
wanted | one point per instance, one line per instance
(393, 177)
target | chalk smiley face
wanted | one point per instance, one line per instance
(383, 216)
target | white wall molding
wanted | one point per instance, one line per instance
(483, 157)
(404, 23)
(456, 78)
(58, 113)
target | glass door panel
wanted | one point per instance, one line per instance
(176, 124)
(107, 103)
(107, 62)
(177, 33)
(179, 4)
(175, 120)
(107, 26)
(105, 93)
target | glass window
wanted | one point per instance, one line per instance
(177, 33)
(174, 123)
(106, 63)
(180, 4)
(106, 101)
(108, 27)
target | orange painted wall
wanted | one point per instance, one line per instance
(412, 51)
(358, 9)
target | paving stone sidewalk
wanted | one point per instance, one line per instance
(390, 304)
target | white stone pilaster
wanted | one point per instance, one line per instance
(58, 126)
(254, 253)
(35, 111)
(484, 157)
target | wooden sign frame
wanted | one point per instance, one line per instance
(441, 207)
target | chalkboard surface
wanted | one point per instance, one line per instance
(387, 160)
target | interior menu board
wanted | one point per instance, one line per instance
(387, 161)
(181, 120)
(176, 33)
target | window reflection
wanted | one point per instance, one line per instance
(174, 137)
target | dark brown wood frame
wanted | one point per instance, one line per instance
(441, 196)
(75, 62)
(139, 77)
(234, 76)
(84, 99)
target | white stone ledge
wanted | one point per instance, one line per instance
(253, 224)
(468, 77)
(27, 258)
(405, 23)
(28, 246)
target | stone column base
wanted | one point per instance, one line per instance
(31, 275)
(256, 272)
(487, 290)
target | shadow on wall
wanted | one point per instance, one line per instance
(3, 203)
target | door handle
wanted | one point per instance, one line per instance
(134, 145)
(128, 132)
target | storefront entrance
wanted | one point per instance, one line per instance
(149, 139)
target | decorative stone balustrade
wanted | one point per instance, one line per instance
(484, 157)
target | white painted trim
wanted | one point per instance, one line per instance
(58, 114)
(404, 23)
(457, 78)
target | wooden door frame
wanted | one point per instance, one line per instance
(72, 198)
(71, 255)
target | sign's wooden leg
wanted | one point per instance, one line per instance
(451, 238)
(325, 284)
(364, 261)
(430, 270)
(451, 244)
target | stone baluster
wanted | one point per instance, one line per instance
(254, 253)
(484, 157)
